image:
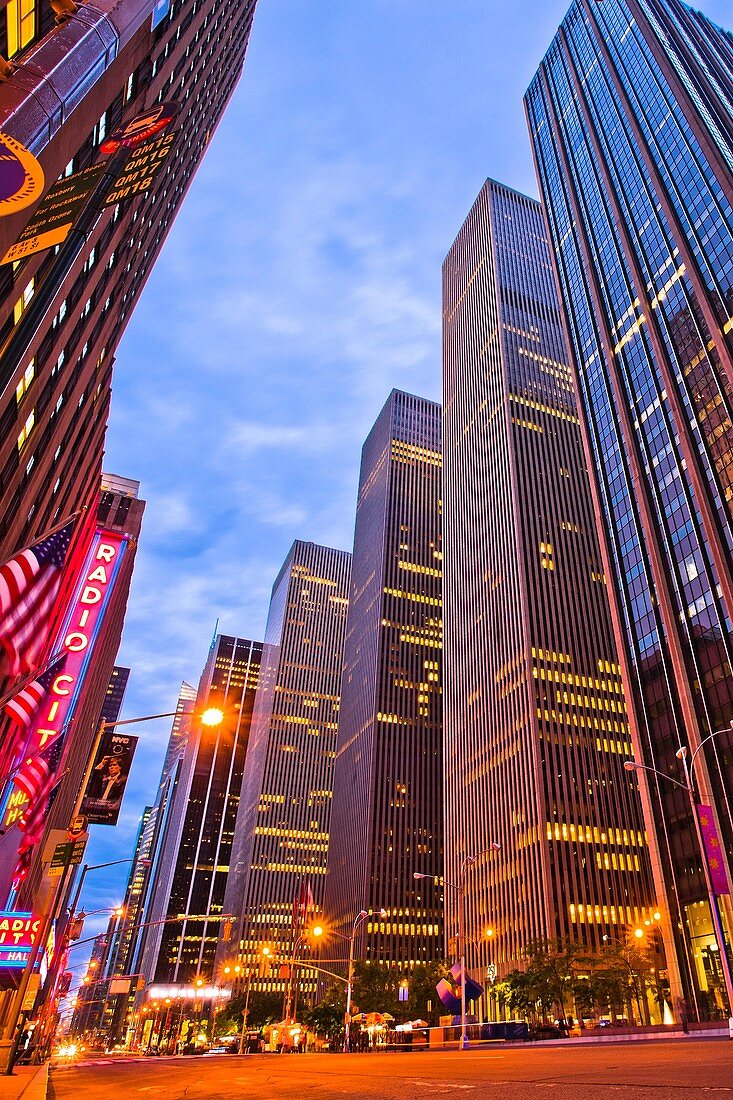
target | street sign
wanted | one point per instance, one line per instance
(52, 221)
(77, 852)
(77, 827)
(60, 858)
(141, 169)
(142, 127)
(21, 176)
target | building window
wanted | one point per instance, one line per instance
(20, 305)
(27, 429)
(21, 17)
(22, 388)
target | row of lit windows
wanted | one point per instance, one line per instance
(402, 451)
(297, 834)
(607, 914)
(412, 567)
(592, 834)
(295, 868)
(551, 656)
(539, 407)
(528, 424)
(388, 929)
(416, 597)
(617, 861)
(578, 680)
(573, 700)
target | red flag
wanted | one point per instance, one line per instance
(29, 584)
(22, 708)
(37, 779)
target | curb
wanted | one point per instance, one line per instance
(35, 1086)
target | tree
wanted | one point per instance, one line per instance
(422, 981)
(264, 1008)
(327, 1017)
(375, 988)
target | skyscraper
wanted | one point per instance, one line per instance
(279, 857)
(74, 85)
(171, 803)
(195, 903)
(387, 807)
(630, 116)
(536, 729)
(115, 693)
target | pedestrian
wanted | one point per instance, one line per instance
(681, 1006)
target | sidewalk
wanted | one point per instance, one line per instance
(26, 1083)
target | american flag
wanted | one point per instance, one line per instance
(23, 707)
(29, 584)
(37, 779)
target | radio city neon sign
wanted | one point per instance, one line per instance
(77, 635)
(18, 930)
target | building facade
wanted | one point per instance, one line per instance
(171, 803)
(279, 861)
(387, 807)
(536, 725)
(90, 653)
(75, 84)
(195, 904)
(115, 694)
(631, 120)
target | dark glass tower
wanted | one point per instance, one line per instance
(631, 116)
(115, 694)
(536, 729)
(279, 856)
(229, 681)
(387, 794)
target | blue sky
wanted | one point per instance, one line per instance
(300, 283)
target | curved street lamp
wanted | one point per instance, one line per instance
(681, 754)
(358, 921)
(460, 889)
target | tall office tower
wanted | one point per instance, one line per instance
(115, 694)
(196, 902)
(536, 729)
(120, 966)
(387, 817)
(171, 803)
(90, 997)
(631, 118)
(89, 634)
(74, 85)
(279, 857)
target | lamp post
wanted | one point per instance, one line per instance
(358, 921)
(8, 1040)
(460, 890)
(689, 771)
(316, 931)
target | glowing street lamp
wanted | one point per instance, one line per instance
(460, 890)
(689, 771)
(358, 921)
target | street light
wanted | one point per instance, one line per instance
(358, 921)
(681, 754)
(460, 889)
(316, 931)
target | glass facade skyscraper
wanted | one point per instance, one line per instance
(631, 117)
(279, 856)
(536, 730)
(196, 902)
(387, 812)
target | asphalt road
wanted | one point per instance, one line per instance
(667, 1070)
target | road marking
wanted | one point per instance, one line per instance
(443, 1086)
